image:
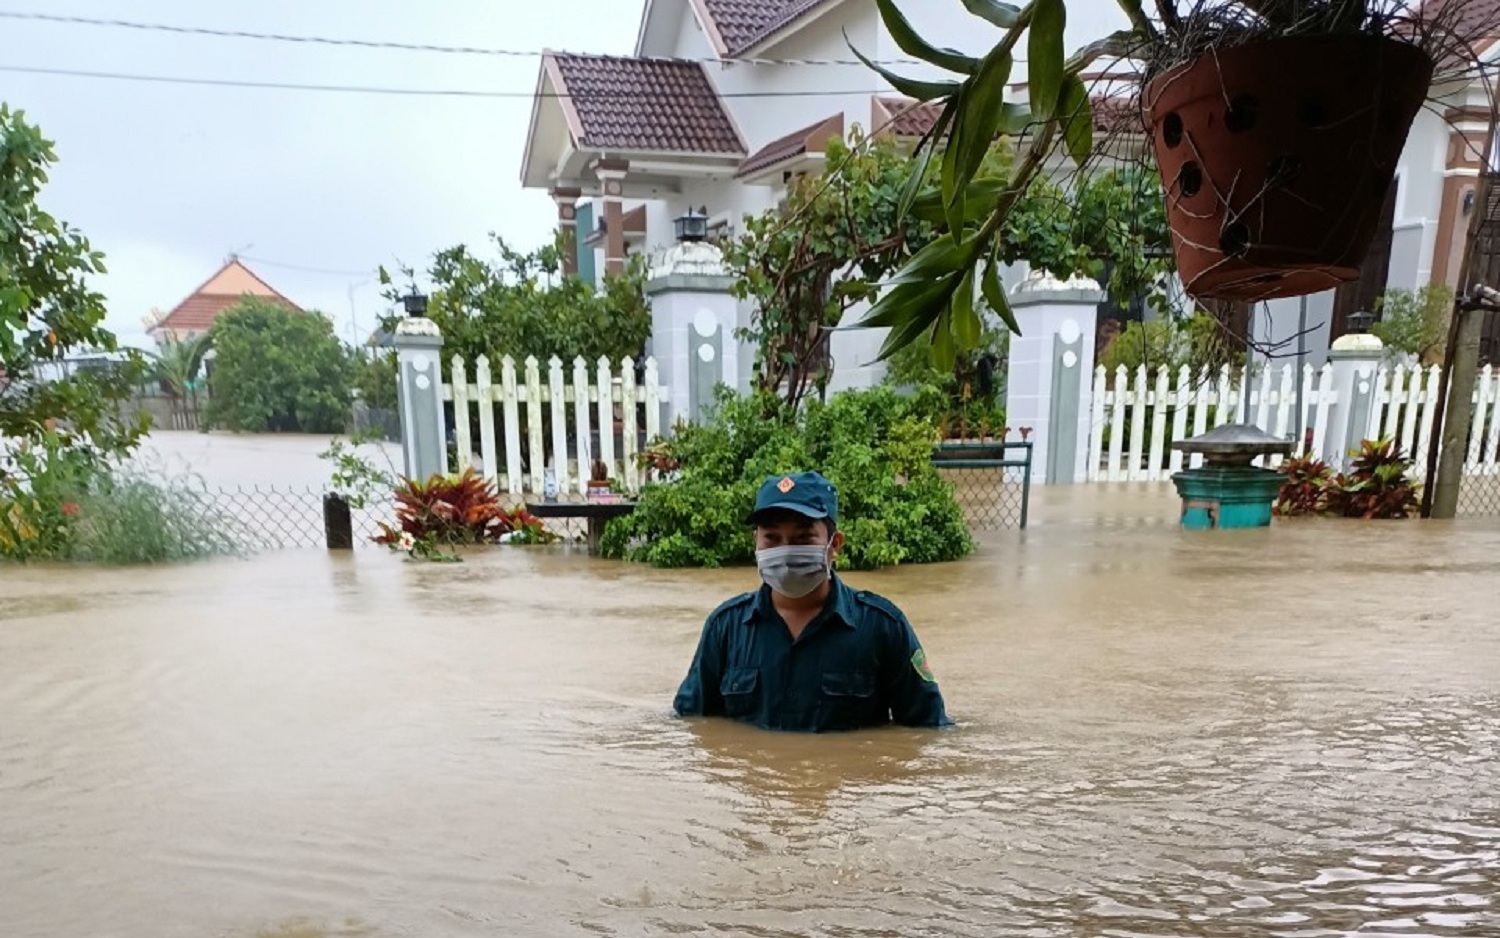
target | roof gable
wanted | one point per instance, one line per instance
(635, 104)
(218, 294)
(738, 26)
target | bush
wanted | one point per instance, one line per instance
(1414, 324)
(61, 503)
(521, 304)
(875, 446)
(278, 371)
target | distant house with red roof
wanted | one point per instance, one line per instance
(223, 291)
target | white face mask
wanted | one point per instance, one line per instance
(796, 570)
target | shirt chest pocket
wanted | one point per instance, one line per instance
(849, 685)
(849, 699)
(740, 688)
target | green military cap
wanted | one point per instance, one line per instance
(806, 493)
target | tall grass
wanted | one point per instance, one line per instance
(138, 517)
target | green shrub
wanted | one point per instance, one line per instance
(875, 446)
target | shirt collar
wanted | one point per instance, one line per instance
(840, 601)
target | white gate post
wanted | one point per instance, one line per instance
(693, 318)
(424, 443)
(1355, 360)
(1051, 365)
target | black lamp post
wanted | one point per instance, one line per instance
(415, 303)
(1360, 321)
(692, 226)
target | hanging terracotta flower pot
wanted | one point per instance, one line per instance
(1277, 156)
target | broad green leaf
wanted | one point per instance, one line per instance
(994, 295)
(911, 87)
(978, 201)
(925, 149)
(965, 316)
(1000, 14)
(901, 303)
(1015, 119)
(943, 352)
(939, 258)
(905, 334)
(1044, 60)
(1077, 114)
(953, 183)
(982, 110)
(912, 44)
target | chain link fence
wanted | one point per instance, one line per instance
(267, 518)
(1479, 497)
(991, 482)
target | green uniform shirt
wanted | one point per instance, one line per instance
(857, 664)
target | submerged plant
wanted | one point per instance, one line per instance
(1377, 485)
(1305, 491)
(457, 510)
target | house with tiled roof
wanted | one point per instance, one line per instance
(218, 294)
(722, 104)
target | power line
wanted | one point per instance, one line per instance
(308, 270)
(413, 92)
(380, 44)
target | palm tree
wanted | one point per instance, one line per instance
(177, 365)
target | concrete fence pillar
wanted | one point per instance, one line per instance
(1050, 373)
(1355, 359)
(693, 318)
(419, 383)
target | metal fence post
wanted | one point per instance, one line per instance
(338, 523)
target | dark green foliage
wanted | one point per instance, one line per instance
(875, 446)
(523, 305)
(49, 310)
(277, 371)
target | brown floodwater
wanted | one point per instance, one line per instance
(1288, 732)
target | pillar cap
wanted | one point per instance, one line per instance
(689, 257)
(1358, 343)
(417, 332)
(1040, 286)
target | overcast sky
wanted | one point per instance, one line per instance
(167, 180)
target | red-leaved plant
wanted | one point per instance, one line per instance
(457, 509)
(1377, 484)
(1305, 491)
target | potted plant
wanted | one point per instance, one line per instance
(1276, 126)
(598, 484)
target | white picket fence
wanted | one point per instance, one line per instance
(540, 406)
(1139, 411)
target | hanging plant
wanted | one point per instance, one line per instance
(1276, 126)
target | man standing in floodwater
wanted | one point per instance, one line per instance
(806, 652)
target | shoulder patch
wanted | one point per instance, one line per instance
(924, 670)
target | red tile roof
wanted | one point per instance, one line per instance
(198, 312)
(1472, 22)
(1113, 113)
(657, 105)
(904, 117)
(810, 139)
(742, 24)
